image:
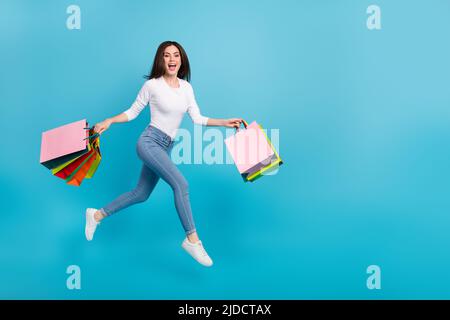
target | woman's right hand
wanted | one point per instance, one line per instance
(102, 126)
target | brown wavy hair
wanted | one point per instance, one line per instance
(158, 68)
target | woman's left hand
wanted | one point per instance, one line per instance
(233, 122)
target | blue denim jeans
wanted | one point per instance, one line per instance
(153, 148)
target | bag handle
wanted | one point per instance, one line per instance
(244, 123)
(91, 136)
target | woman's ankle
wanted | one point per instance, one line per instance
(98, 216)
(193, 237)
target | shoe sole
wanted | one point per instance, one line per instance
(86, 227)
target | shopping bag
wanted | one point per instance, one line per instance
(65, 143)
(78, 176)
(67, 161)
(98, 158)
(65, 164)
(72, 167)
(252, 151)
(268, 169)
(66, 169)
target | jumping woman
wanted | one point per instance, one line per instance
(170, 95)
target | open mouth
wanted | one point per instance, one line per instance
(172, 66)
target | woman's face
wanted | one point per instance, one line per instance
(172, 60)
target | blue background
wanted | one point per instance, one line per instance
(364, 133)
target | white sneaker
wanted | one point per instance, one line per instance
(197, 252)
(91, 223)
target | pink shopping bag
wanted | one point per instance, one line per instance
(61, 144)
(249, 148)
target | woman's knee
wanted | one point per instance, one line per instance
(140, 195)
(181, 185)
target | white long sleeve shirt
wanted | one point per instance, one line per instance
(167, 105)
